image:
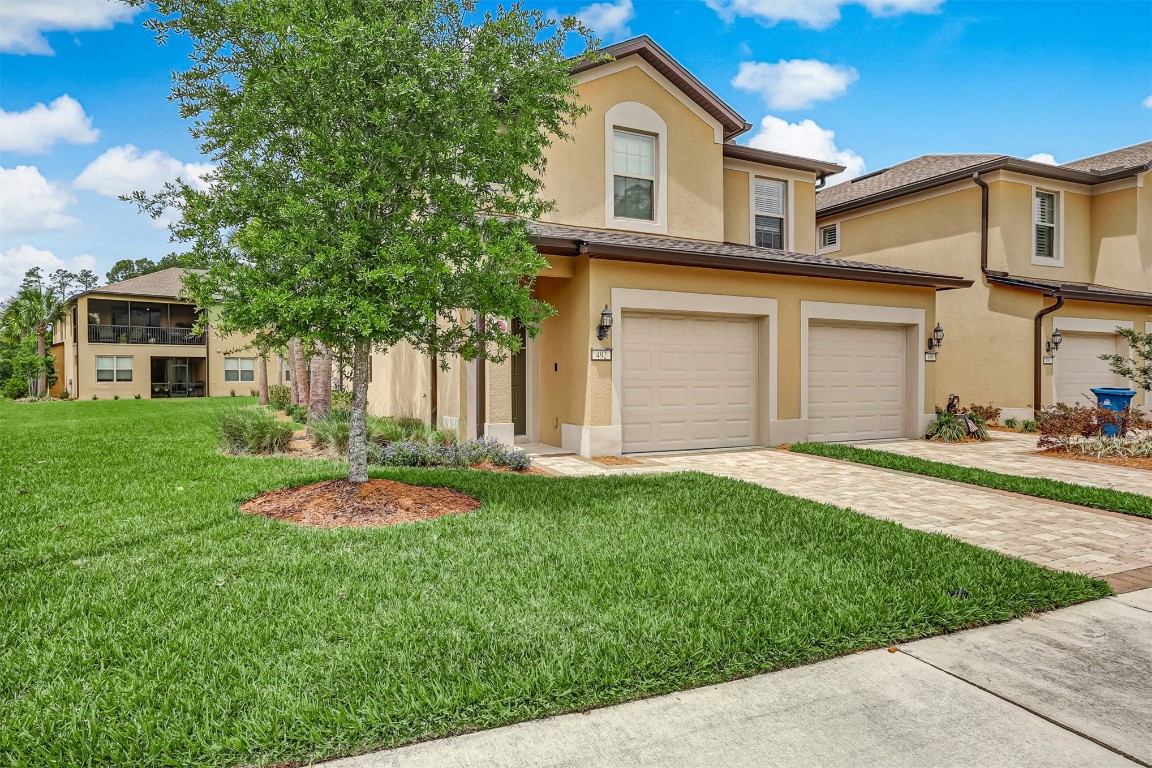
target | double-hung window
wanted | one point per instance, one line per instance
(769, 213)
(634, 166)
(1045, 212)
(109, 368)
(239, 369)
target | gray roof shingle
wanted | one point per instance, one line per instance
(1126, 157)
(165, 283)
(909, 172)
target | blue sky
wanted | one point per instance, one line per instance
(84, 114)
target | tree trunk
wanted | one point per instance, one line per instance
(293, 381)
(263, 379)
(357, 443)
(320, 394)
(299, 372)
(42, 381)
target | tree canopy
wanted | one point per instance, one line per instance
(374, 161)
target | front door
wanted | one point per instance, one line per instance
(520, 382)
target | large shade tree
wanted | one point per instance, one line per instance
(374, 162)
(31, 313)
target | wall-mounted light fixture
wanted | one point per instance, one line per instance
(605, 326)
(1054, 344)
(937, 339)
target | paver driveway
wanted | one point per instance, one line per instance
(1015, 454)
(1048, 533)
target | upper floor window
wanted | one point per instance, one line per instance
(239, 369)
(1045, 213)
(634, 165)
(829, 238)
(769, 213)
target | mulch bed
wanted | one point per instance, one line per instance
(1130, 463)
(341, 503)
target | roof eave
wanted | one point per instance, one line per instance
(780, 160)
(1074, 292)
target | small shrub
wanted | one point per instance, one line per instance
(953, 428)
(1132, 446)
(468, 453)
(341, 398)
(299, 413)
(1029, 425)
(232, 392)
(115, 397)
(251, 431)
(1063, 426)
(990, 414)
(279, 396)
(136, 397)
(94, 397)
(65, 395)
(14, 388)
(253, 393)
(1012, 423)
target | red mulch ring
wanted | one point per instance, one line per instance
(1131, 462)
(341, 503)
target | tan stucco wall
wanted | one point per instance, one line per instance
(804, 217)
(575, 175)
(737, 206)
(563, 345)
(988, 353)
(400, 383)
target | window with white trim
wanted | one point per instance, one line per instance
(239, 369)
(769, 213)
(109, 368)
(1045, 215)
(634, 182)
(830, 237)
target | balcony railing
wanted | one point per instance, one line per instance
(137, 334)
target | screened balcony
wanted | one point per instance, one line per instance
(142, 322)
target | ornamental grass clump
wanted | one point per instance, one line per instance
(249, 431)
(280, 396)
(468, 453)
(954, 427)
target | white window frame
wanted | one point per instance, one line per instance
(616, 174)
(634, 117)
(820, 247)
(1057, 259)
(239, 369)
(116, 369)
(786, 219)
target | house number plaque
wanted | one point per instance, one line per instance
(599, 355)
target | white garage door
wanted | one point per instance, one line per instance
(857, 381)
(1079, 367)
(689, 382)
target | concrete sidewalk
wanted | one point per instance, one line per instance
(1068, 688)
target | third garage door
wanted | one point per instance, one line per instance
(857, 381)
(689, 382)
(1079, 367)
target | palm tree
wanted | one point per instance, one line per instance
(33, 311)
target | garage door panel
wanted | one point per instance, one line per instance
(857, 381)
(1079, 368)
(695, 386)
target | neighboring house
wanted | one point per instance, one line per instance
(1048, 247)
(728, 330)
(136, 337)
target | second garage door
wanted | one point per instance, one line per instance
(1079, 367)
(857, 381)
(689, 382)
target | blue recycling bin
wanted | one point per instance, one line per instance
(1113, 399)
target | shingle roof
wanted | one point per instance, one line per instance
(706, 253)
(1077, 291)
(1127, 157)
(165, 283)
(909, 172)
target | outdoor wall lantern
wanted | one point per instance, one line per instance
(1054, 345)
(937, 339)
(605, 326)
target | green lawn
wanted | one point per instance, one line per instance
(1042, 487)
(147, 622)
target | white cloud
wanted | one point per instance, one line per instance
(807, 139)
(123, 170)
(814, 14)
(1043, 157)
(20, 259)
(1147, 102)
(608, 19)
(24, 22)
(31, 203)
(38, 128)
(794, 84)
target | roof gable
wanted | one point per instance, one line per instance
(164, 283)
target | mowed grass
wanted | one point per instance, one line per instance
(1041, 487)
(145, 621)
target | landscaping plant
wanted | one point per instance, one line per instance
(253, 431)
(1062, 425)
(989, 414)
(373, 166)
(1137, 365)
(279, 396)
(953, 428)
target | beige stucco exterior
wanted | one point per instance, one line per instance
(988, 355)
(77, 355)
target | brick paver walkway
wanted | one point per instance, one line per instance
(1014, 454)
(1055, 535)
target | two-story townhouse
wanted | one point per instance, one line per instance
(692, 310)
(136, 337)
(1059, 255)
